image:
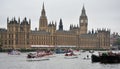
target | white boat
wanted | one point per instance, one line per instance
(37, 59)
(14, 52)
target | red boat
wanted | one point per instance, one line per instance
(70, 55)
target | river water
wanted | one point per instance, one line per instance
(57, 62)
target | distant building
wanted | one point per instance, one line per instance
(19, 35)
(113, 38)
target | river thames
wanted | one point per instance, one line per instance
(56, 62)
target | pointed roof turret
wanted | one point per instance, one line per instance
(43, 23)
(43, 5)
(92, 31)
(43, 10)
(7, 19)
(83, 8)
(60, 25)
(29, 21)
(19, 20)
(83, 11)
(60, 21)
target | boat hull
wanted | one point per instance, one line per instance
(95, 58)
(106, 59)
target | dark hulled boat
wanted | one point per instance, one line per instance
(95, 58)
(106, 57)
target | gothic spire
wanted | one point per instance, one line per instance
(60, 25)
(83, 21)
(19, 19)
(60, 22)
(7, 19)
(43, 10)
(43, 5)
(83, 11)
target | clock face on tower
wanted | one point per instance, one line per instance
(81, 21)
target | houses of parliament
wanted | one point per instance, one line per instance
(19, 35)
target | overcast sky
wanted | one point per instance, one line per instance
(101, 13)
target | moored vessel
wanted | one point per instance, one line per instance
(106, 57)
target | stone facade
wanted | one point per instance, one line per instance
(19, 35)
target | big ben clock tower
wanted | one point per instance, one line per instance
(43, 24)
(83, 21)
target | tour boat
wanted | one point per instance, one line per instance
(39, 56)
(34, 57)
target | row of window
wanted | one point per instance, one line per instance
(39, 43)
(17, 29)
(10, 42)
(40, 37)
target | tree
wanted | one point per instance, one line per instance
(0, 44)
(117, 43)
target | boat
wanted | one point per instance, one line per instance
(70, 55)
(14, 52)
(34, 57)
(59, 51)
(106, 57)
(40, 55)
(95, 58)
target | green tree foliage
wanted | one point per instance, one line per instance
(117, 42)
(0, 44)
